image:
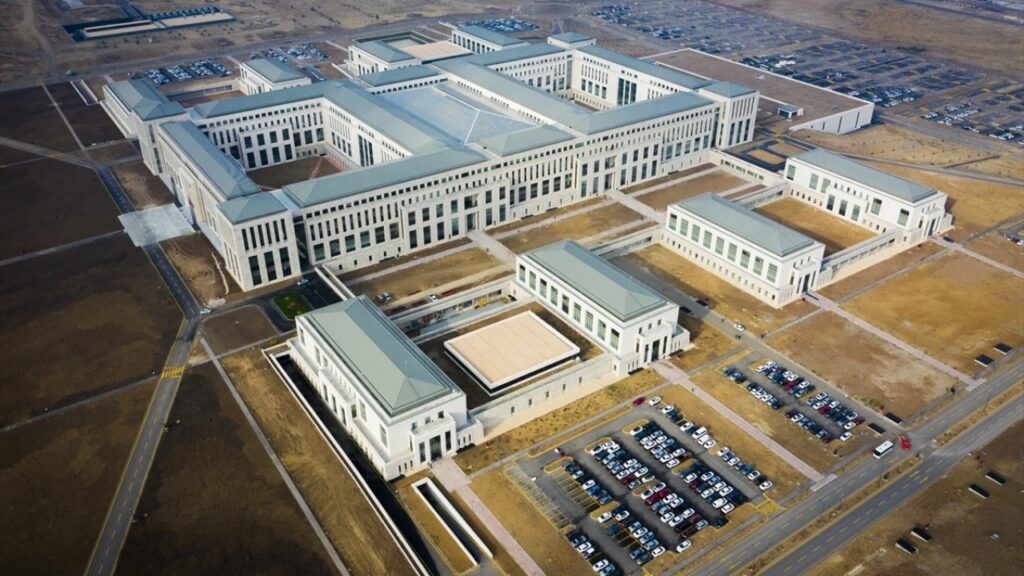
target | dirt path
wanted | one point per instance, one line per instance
(28, 22)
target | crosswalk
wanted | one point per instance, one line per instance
(767, 506)
(172, 371)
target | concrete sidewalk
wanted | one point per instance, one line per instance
(635, 205)
(451, 477)
(963, 250)
(493, 247)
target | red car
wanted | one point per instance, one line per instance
(638, 400)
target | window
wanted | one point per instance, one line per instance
(378, 234)
(254, 269)
(719, 245)
(335, 248)
(707, 239)
(364, 239)
(758, 265)
(533, 281)
(614, 340)
(601, 329)
(876, 206)
(790, 172)
(824, 185)
(383, 436)
(522, 273)
(855, 215)
(904, 215)
(565, 304)
(814, 181)
(554, 296)
(683, 226)
(318, 252)
(842, 208)
(744, 258)
(831, 202)
(695, 233)
(773, 271)
(543, 288)
(732, 252)
(673, 221)
(589, 321)
(576, 312)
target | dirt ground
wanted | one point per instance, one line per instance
(212, 483)
(38, 208)
(556, 421)
(862, 364)
(576, 227)
(878, 271)
(197, 261)
(975, 204)
(831, 230)
(108, 153)
(80, 322)
(546, 215)
(28, 115)
(9, 156)
(894, 143)
(362, 541)
(273, 177)
(960, 523)
(953, 308)
(432, 529)
(726, 299)
(786, 149)
(948, 35)
(998, 248)
(475, 395)
(402, 260)
(1007, 166)
(90, 123)
(667, 178)
(425, 277)
(715, 182)
(58, 478)
(237, 328)
(708, 343)
(144, 189)
(531, 529)
(766, 156)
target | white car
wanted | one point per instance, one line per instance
(722, 451)
(683, 545)
(646, 494)
(600, 565)
(657, 551)
(728, 508)
(753, 475)
(667, 408)
(699, 432)
(604, 517)
(636, 430)
(846, 436)
(725, 491)
(672, 463)
(687, 513)
(849, 425)
(765, 485)
(717, 504)
(654, 401)
(739, 327)
(709, 443)
(622, 515)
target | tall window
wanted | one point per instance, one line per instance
(773, 271)
(744, 258)
(904, 215)
(790, 172)
(814, 181)
(876, 206)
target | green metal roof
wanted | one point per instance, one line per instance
(344, 184)
(384, 51)
(245, 208)
(252, 102)
(388, 365)
(618, 293)
(572, 37)
(512, 54)
(523, 140)
(141, 97)
(759, 230)
(396, 75)
(274, 70)
(667, 74)
(728, 89)
(901, 188)
(490, 35)
(220, 169)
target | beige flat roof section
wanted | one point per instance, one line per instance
(435, 51)
(506, 351)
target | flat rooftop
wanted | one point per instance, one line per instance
(816, 102)
(510, 351)
(435, 51)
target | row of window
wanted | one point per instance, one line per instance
(722, 247)
(581, 317)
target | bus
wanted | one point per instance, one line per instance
(883, 449)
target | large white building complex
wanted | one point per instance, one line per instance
(432, 150)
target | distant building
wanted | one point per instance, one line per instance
(267, 74)
(481, 40)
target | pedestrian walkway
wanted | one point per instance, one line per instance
(829, 305)
(963, 250)
(493, 247)
(635, 205)
(677, 376)
(452, 478)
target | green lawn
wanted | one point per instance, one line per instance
(292, 304)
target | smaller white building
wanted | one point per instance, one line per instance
(479, 39)
(266, 74)
(867, 196)
(624, 316)
(571, 40)
(397, 405)
(754, 253)
(377, 56)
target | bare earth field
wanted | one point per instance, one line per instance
(28, 115)
(1008, 167)
(862, 364)
(667, 178)
(425, 277)
(961, 524)
(234, 329)
(197, 262)
(953, 308)
(975, 204)
(39, 209)
(402, 260)
(144, 189)
(878, 271)
(212, 483)
(832, 231)
(714, 182)
(9, 156)
(80, 322)
(362, 541)
(724, 298)
(998, 248)
(766, 156)
(58, 478)
(90, 123)
(708, 343)
(273, 177)
(577, 227)
(894, 143)
(546, 215)
(112, 152)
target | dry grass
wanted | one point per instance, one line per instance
(362, 541)
(878, 271)
(831, 230)
(547, 215)
(667, 178)
(237, 328)
(58, 478)
(894, 143)
(434, 531)
(708, 343)
(726, 299)
(998, 248)
(300, 170)
(577, 227)
(766, 156)
(787, 149)
(556, 421)
(961, 524)
(531, 529)
(403, 260)
(430, 275)
(144, 189)
(975, 204)
(1007, 167)
(715, 182)
(212, 482)
(197, 262)
(862, 364)
(953, 308)
(107, 153)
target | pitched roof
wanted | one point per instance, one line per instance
(512, 54)
(571, 37)
(396, 75)
(523, 140)
(667, 74)
(252, 102)
(616, 292)
(398, 375)
(273, 70)
(760, 231)
(491, 36)
(891, 184)
(220, 169)
(245, 208)
(396, 124)
(383, 51)
(141, 97)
